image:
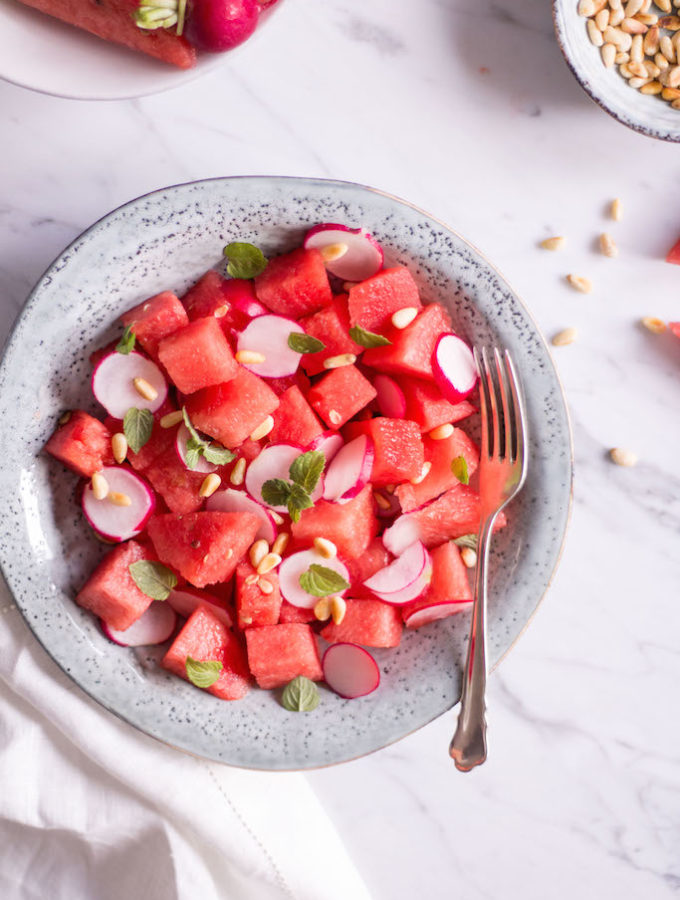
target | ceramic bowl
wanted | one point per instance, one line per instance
(642, 112)
(166, 240)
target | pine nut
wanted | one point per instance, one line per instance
(171, 419)
(119, 447)
(381, 500)
(246, 620)
(621, 57)
(119, 499)
(623, 457)
(322, 609)
(441, 432)
(100, 486)
(652, 87)
(334, 417)
(608, 246)
(238, 473)
(586, 8)
(637, 54)
(583, 285)
(249, 357)
(664, 5)
(276, 517)
(671, 23)
(144, 389)
(637, 82)
(602, 19)
(251, 579)
(221, 311)
(616, 16)
(615, 4)
(661, 61)
(653, 324)
(651, 41)
(625, 71)
(403, 317)
(424, 472)
(633, 7)
(671, 94)
(565, 337)
(652, 69)
(258, 551)
(557, 243)
(331, 252)
(608, 54)
(614, 36)
(648, 19)
(670, 77)
(65, 417)
(338, 609)
(667, 48)
(210, 484)
(469, 557)
(616, 210)
(281, 542)
(594, 33)
(263, 429)
(266, 586)
(336, 362)
(229, 553)
(270, 561)
(633, 26)
(325, 548)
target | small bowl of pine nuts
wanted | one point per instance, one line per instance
(626, 56)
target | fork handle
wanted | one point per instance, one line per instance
(468, 746)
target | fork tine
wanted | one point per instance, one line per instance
(520, 412)
(483, 403)
(508, 421)
(494, 451)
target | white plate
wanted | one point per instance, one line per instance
(46, 55)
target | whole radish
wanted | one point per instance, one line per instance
(218, 25)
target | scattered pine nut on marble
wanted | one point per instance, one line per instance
(623, 457)
(654, 324)
(580, 284)
(565, 337)
(553, 243)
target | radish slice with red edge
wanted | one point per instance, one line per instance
(154, 626)
(185, 600)
(329, 443)
(113, 383)
(350, 671)
(433, 612)
(293, 566)
(249, 307)
(454, 368)
(405, 578)
(231, 500)
(350, 470)
(181, 440)
(275, 461)
(114, 522)
(363, 257)
(401, 534)
(391, 400)
(269, 335)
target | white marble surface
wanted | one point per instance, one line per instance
(466, 108)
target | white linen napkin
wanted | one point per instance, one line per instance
(91, 809)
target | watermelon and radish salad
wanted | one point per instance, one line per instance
(279, 463)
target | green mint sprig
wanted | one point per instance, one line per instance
(127, 342)
(459, 467)
(367, 339)
(305, 471)
(197, 448)
(304, 343)
(245, 260)
(153, 14)
(137, 427)
(300, 695)
(153, 578)
(466, 540)
(320, 581)
(203, 673)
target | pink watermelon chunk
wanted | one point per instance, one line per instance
(155, 319)
(281, 385)
(177, 485)
(351, 526)
(231, 411)
(340, 394)
(426, 405)
(294, 420)
(374, 558)
(399, 454)
(440, 455)
(204, 637)
(449, 583)
(368, 622)
(253, 606)
(294, 284)
(290, 614)
(412, 347)
(83, 443)
(110, 592)
(373, 301)
(227, 300)
(331, 326)
(205, 547)
(279, 653)
(198, 356)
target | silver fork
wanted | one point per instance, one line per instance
(502, 470)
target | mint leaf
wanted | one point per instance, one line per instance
(245, 260)
(466, 540)
(127, 342)
(197, 447)
(203, 673)
(367, 338)
(322, 581)
(192, 456)
(304, 343)
(275, 492)
(217, 455)
(459, 467)
(153, 578)
(306, 469)
(298, 499)
(137, 427)
(300, 695)
(192, 431)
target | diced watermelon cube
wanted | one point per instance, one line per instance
(110, 592)
(410, 352)
(426, 405)
(177, 485)
(340, 394)
(204, 637)
(253, 606)
(440, 455)
(351, 526)
(290, 614)
(374, 558)
(399, 454)
(198, 356)
(331, 326)
(82, 443)
(674, 254)
(155, 319)
(368, 622)
(295, 421)
(231, 411)
(294, 284)
(450, 583)
(281, 385)
(205, 547)
(373, 301)
(279, 653)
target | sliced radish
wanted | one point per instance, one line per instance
(181, 440)
(329, 443)
(231, 500)
(269, 335)
(185, 600)
(275, 462)
(454, 368)
(405, 578)
(350, 470)
(113, 383)
(363, 257)
(115, 522)
(154, 626)
(350, 671)
(391, 400)
(433, 612)
(249, 306)
(293, 566)
(401, 534)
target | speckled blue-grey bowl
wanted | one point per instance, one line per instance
(166, 240)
